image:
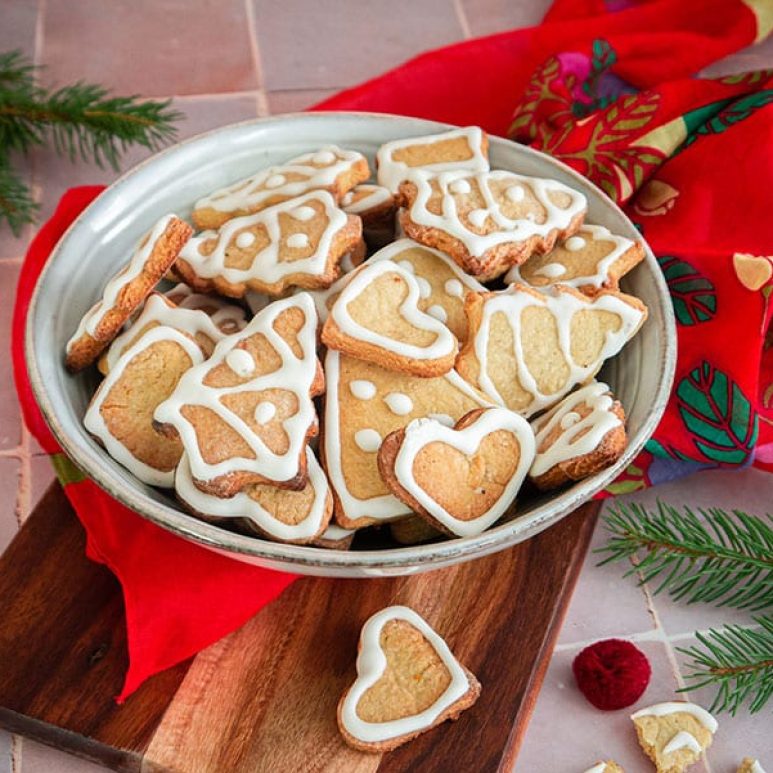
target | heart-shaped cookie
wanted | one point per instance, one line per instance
(377, 318)
(462, 479)
(408, 681)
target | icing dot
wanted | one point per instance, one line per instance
(551, 270)
(443, 418)
(569, 419)
(399, 403)
(323, 157)
(367, 440)
(425, 288)
(478, 217)
(303, 213)
(459, 186)
(275, 181)
(515, 193)
(362, 389)
(347, 199)
(298, 241)
(574, 243)
(265, 412)
(438, 312)
(407, 265)
(245, 239)
(240, 362)
(454, 288)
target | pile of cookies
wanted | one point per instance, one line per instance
(307, 291)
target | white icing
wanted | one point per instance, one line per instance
(252, 193)
(95, 423)
(399, 403)
(371, 665)
(240, 362)
(515, 193)
(620, 246)
(264, 412)
(244, 506)
(346, 264)
(453, 287)
(569, 419)
(94, 316)
(425, 288)
(506, 229)
(443, 418)
(563, 306)
(367, 440)
(298, 241)
(675, 707)
(421, 432)
(362, 389)
(391, 173)
(302, 213)
(460, 186)
(756, 767)
(384, 507)
(371, 196)
(682, 740)
(478, 217)
(444, 342)
(600, 768)
(158, 311)
(296, 374)
(551, 270)
(335, 533)
(438, 312)
(245, 239)
(575, 243)
(267, 268)
(407, 265)
(323, 157)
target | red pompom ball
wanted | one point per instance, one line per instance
(612, 674)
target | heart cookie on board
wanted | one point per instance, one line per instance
(528, 349)
(408, 681)
(462, 478)
(244, 415)
(577, 438)
(376, 318)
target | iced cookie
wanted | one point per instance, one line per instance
(294, 244)
(462, 479)
(605, 767)
(335, 538)
(593, 259)
(408, 681)
(329, 168)
(126, 291)
(489, 221)
(527, 349)
(443, 286)
(583, 434)
(158, 310)
(298, 517)
(377, 318)
(120, 415)
(363, 404)
(750, 765)
(674, 735)
(413, 530)
(228, 317)
(376, 206)
(244, 415)
(456, 149)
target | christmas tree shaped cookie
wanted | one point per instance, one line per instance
(228, 317)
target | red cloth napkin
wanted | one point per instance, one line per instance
(564, 77)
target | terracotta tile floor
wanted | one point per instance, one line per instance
(227, 60)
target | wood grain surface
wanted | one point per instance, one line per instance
(264, 698)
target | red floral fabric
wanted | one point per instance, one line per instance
(606, 87)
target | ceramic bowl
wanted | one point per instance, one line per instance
(101, 238)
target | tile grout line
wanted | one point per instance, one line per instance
(261, 99)
(461, 17)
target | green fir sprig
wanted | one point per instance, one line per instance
(719, 557)
(736, 659)
(81, 121)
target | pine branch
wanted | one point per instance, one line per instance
(739, 661)
(16, 204)
(725, 559)
(16, 72)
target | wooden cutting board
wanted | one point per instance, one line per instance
(264, 698)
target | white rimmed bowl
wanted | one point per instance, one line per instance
(102, 236)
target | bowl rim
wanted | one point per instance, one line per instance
(339, 562)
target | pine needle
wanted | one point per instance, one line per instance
(720, 558)
(16, 204)
(738, 660)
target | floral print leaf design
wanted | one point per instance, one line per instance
(633, 478)
(602, 58)
(692, 294)
(720, 418)
(656, 448)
